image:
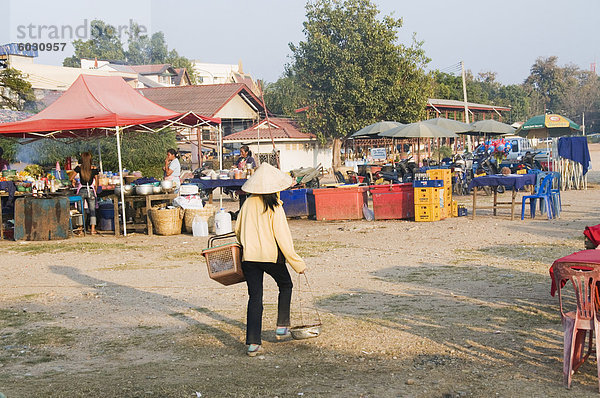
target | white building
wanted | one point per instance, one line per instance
(296, 149)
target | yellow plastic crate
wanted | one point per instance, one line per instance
(425, 213)
(439, 174)
(425, 196)
(454, 208)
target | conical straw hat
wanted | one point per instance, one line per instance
(267, 179)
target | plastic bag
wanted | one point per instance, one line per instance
(189, 202)
(368, 213)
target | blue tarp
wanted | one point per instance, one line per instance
(576, 149)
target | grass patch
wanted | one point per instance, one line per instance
(69, 247)
(45, 336)
(309, 248)
(538, 252)
(195, 255)
(120, 345)
(135, 266)
(16, 318)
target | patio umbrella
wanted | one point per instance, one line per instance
(548, 126)
(449, 124)
(491, 127)
(419, 130)
(376, 128)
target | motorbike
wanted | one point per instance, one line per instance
(483, 164)
(528, 162)
(462, 173)
(307, 177)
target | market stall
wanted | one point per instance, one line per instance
(98, 106)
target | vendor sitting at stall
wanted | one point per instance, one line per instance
(172, 168)
(88, 183)
(4, 165)
(245, 159)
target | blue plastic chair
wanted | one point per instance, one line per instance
(556, 200)
(543, 192)
(78, 201)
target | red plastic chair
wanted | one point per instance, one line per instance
(581, 321)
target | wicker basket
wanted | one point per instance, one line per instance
(224, 262)
(166, 221)
(207, 213)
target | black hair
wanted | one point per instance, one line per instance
(247, 149)
(1, 151)
(173, 152)
(270, 200)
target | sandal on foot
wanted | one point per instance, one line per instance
(282, 332)
(254, 349)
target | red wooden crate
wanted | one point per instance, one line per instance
(340, 203)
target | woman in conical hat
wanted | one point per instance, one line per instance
(263, 231)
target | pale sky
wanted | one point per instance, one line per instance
(504, 37)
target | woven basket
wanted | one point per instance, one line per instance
(167, 221)
(207, 213)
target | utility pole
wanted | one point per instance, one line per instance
(583, 123)
(464, 83)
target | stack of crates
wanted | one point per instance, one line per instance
(428, 196)
(446, 176)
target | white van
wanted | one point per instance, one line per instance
(520, 146)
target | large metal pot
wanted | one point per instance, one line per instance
(166, 184)
(145, 189)
(127, 190)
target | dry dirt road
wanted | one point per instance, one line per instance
(455, 308)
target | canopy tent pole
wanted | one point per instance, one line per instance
(100, 158)
(220, 163)
(117, 128)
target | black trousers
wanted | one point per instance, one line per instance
(254, 271)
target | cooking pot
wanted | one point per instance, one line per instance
(145, 189)
(156, 189)
(127, 189)
(166, 184)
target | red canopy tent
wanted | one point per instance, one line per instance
(98, 105)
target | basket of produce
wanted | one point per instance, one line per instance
(166, 221)
(207, 213)
(224, 261)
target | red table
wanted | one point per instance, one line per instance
(584, 260)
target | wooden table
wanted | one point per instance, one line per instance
(146, 200)
(515, 182)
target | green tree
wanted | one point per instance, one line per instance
(104, 44)
(546, 79)
(140, 151)
(354, 72)
(286, 95)
(15, 92)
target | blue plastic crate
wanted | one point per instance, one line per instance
(428, 184)
(298, 202)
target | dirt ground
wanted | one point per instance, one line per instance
(455, 308)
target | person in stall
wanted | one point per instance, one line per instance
(245, 158)
(88, 184)
(4, 165)
(172, 168)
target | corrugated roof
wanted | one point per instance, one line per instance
(150, 69)
(460, 104)
(204, 100)
(281, 129)
(7, 115)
